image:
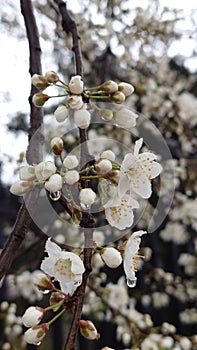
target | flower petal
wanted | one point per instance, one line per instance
(140, 184)
(151, 168)
(52, 249)
(138, 145)
(47, 266)
(123, 184)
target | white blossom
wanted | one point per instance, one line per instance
(137, 170)
(44, 170)
(88, 330)
(76, 85)
(110, 86)
(125, 118)
(66, 267)
(119, 211)
(130, 255)
(51, 76)
(54, 183)
(61, 113)
(32, 316)
(111, 257)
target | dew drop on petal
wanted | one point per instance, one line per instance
(55, 196)
(45, 291)
(131, 283)
(38, 343)
(85, 206)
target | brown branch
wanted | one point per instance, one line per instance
(23, 220)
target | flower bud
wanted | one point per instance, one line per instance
(118, 97)
(76, 85)
(108, 154)
(126, 88)
(71, 177)
(106, 114)
(35, 334)
(21, 187)
(56, 297)
(70, 162)
(111, 257)
(107, 348)
(44, 170)
(39, 99)
(88, 330)
(61, 113)
(82, 118)
(54, 183)
(125, 118)
(109, 86)
(114, 176)
(32, 316)
(75, 102)
(103, 166)
(57, 145)
(27, 173)
(87, 196)
(39, 82)
(51, 77)
(42, 282)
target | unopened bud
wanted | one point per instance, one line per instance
(109, 86)
(39, 99)
(71, 177)
(103, 166)
(126, 88)
(35, 335)
(82, 118)
(125, 118)
(88, 330)
(111, 257)
(27, 173)
(44, 170)
(56, 297)
(108, 154)
(21, 187)
(51, 77)
(70, 162)
(32, 316)
(118, 97)
(39, 82)
(42, 282)
(61, 113)
(54, 183)
(57, 145)
(76, 85)
(87, 196)
(75, 102)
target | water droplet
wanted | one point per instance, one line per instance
(131, 283)
(55, 196)
(77, 283)
(45, 291)
(85, 206)
(38, 343)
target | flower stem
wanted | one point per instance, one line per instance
(56, 317)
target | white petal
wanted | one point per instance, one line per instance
(151, 168)
(77, 266)
(140, 184)
(68, 287)
(52, 249)
(127, 162)
(47, 266)
(123, 184)
(138, 233)
(138, 145)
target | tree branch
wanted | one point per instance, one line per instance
(34, 151)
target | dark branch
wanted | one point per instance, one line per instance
(34, 151)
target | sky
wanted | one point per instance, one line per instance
(15, 82)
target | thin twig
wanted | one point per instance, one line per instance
(23, 220)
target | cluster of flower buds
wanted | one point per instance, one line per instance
(77, 97)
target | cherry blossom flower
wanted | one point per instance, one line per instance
(136, 172)
(66, 267)
(119, 211)
(130, 255)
